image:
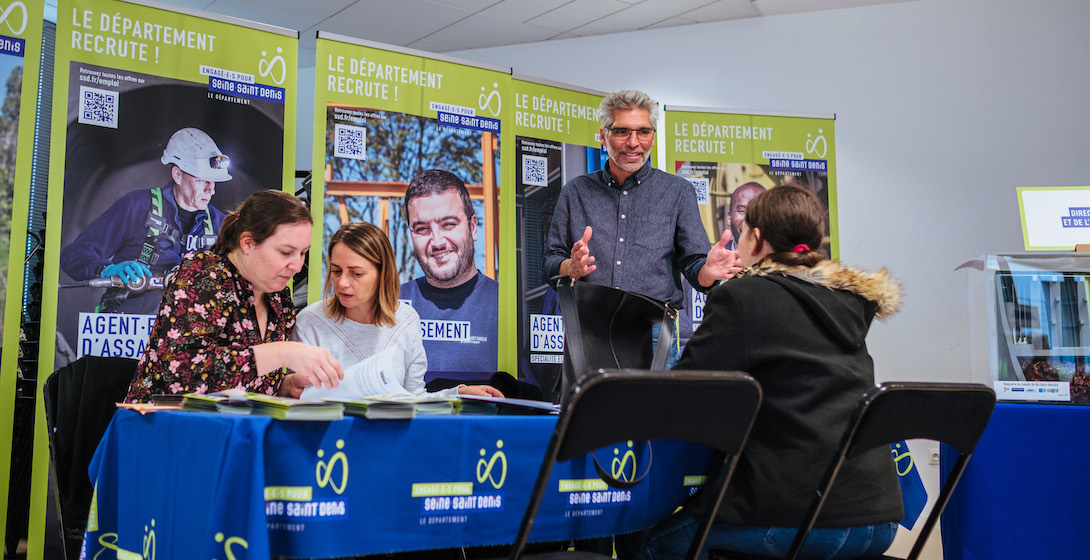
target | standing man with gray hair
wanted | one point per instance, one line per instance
(145, 233)
(633, 227)
(630, 225)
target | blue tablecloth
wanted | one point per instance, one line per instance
(1022, 495)
(197, 485)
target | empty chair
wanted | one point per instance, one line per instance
(952, 413)
(613, 406)
(79, 403)
(607, 327)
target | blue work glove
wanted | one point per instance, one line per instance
(127, 271)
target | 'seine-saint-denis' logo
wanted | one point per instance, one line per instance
(486, 468)
(624, 465)
(325, 471)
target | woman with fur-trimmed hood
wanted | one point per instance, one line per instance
(797, 322)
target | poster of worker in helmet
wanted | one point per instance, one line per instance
(151, 148)
(140, 196)
(142, 235)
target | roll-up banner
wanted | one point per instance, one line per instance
(556, 138)
(164, 120)
(730, 156)
(20, 59)
(403, 124)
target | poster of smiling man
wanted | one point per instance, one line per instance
(163, 123)
(411, 144)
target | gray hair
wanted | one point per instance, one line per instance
(627, 99)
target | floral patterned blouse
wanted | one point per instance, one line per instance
(205, 331)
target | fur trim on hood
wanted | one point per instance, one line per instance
(879, 287)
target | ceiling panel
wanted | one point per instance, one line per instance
(490, 32)
(576, 13)
(398, 22)
(637, 16)
(671, 22)
(722, 10)
(467, 5)
(317, 7)
(521, 10)
(449, 25)
(781, 7)
(261, 11)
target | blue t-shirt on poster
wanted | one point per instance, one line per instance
(459, 326)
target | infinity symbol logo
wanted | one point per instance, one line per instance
(108, 541)
(626, 462)
(227, 545)
(897, 459)
(813, 143)
(4, 17)
(485, 102)
(149, 541)
(265, 67)
(485, 467)
(323, 470)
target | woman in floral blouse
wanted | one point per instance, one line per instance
(225, 318)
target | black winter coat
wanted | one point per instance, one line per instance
(801, 333)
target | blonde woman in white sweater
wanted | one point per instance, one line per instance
(361, 322)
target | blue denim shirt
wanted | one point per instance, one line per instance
(647, 231)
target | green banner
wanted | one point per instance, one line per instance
(163, 122)
(556, 130)
(731, 156)
(20, 59)
(389, 115)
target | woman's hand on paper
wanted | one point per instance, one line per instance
(479, 390)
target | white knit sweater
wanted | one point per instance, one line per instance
(351, 342)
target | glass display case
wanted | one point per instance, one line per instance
(1030, 326)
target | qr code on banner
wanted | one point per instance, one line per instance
(98, 107)
(701, 186)
(351, 142)
(535, 171)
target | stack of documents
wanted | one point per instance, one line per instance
(388, 406)
(479, 404)
(286, 408)
(201, 402)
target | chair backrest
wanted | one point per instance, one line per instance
(610, 328)
(952, 413)
(611, 406)
(79, 404)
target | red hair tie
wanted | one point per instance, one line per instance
(801, 248)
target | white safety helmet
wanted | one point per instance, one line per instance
(194, 152)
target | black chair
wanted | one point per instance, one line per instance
(611, 406)
(952, 413)
(610, 328)
(79, 403)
